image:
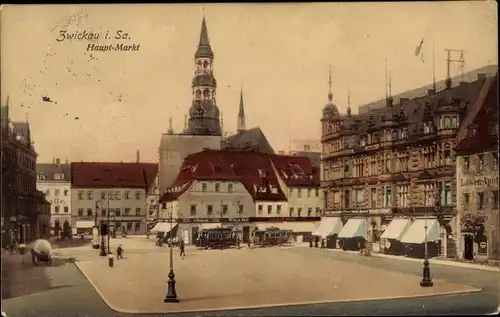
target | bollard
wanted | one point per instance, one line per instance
(111, 260)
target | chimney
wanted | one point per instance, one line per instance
(403, 100)
(137, 157)
(58, 161)
(430, 92)
(481, 76)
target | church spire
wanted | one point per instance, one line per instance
(204, 49)
(241, 114)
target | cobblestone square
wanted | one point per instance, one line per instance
(246, 278)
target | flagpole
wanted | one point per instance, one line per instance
(433, 68)
(386, 78)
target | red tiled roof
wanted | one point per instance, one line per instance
(112, 175)
(295, 171)
(253, 169)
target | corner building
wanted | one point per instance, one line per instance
(477, 182)
(396, 163)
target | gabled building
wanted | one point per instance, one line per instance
(235, 188)
(397, 162)
(114, 193)
(54, 180)
(477, 175)
(19, 196)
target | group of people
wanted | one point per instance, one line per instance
(175, 241)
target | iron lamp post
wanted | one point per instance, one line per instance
(171, 293)
(426, 273)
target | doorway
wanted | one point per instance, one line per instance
(194, 234)
(246, 234)
(468, 247)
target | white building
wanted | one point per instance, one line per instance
(240, 189)
(54, 180)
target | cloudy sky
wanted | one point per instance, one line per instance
(105, 106)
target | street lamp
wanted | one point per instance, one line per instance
(171, 293)
(426, 274)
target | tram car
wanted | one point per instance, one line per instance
(273, 236)
(217, 238)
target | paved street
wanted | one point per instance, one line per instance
(80, 299)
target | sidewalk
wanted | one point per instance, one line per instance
(432, 261)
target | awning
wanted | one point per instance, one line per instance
(85, 224)
(355, 227)
(328, 226)
(210, 225)
(416, 232)
(396, 229)
(163, 227)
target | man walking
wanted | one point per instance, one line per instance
(119, 253)
(181, 247)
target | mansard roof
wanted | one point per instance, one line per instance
(414, 112)
(255, 170)
(47, 171)
(113, 175)
(251, 139)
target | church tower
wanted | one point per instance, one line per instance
(204, 113)
(241, 115)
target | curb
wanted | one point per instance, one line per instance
(432, 261)
(169, 312)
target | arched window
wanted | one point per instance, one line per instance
(205, 65)
(206, 94)
(198, 93)
(198, 66)
(447, 123)
(454, 123)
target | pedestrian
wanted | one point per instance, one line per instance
(322, 243)
(181, 247)
(119, 252)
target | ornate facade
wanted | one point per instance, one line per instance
(398, 161)
(19, 197)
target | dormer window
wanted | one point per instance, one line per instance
(262, 173)
(404, 134)
(427, 128)
(363, 142)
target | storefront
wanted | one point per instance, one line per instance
(418, 233)
(84, 226)
(479, 219)
(328, 229)
(353, 235)
(391, 237)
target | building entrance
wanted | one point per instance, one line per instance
(468, 247)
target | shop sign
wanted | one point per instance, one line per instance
(483, 181)
(482, 245)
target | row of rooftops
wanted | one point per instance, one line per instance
(260, 173)
(100, 174)
(412, 114)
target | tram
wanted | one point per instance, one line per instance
(217, 238)
(273, 236)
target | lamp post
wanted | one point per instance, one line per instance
(109, 229)
(171, 293)
(426, 274)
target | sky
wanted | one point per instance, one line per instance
(104, 106)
